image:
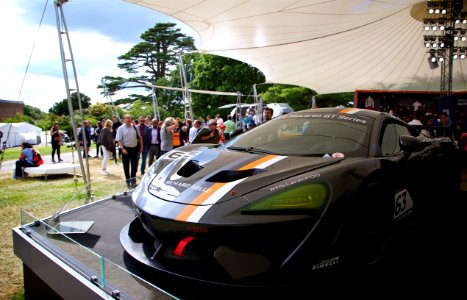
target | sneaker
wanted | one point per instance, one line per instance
(53, 160)
(104, 172)
(60, 159)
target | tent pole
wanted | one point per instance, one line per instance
(61, 21)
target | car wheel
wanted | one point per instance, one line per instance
(367, 232)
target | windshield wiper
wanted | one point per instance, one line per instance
(250, 149)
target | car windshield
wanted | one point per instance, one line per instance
(307, 134)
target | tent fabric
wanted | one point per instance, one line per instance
(328, 46)
(19, 133)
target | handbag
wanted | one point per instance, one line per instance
(138, 144)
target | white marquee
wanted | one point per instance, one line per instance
(329, 46)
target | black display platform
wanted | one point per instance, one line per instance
(55, 269)
(66, 271)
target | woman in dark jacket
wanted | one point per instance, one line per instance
(107, 144)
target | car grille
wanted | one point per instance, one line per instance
(273, 242)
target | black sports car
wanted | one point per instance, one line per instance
(318, 192)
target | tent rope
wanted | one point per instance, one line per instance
(2, 152)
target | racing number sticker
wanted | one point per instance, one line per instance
(403, 204)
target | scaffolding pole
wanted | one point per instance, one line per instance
(63, 31)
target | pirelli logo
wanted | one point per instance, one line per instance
(326, 263)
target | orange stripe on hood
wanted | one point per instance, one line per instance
(188, 210)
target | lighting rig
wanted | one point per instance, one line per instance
(445, 37)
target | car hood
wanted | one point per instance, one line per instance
(206, 175)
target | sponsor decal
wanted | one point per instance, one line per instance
(326, 263)
(340, 116)
(187, 185)
(290, 183)
(403, 204)
(201, 204)
(175, 154)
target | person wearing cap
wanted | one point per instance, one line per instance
(212, 135)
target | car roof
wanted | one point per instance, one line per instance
(352, 111)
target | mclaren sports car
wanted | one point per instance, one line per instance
(315, 193)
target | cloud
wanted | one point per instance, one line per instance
(97, 36)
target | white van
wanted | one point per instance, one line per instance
(279, 109)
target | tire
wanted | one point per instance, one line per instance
(367, 233)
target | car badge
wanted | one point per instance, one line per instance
(338, 155)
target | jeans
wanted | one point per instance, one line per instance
(144, 156)
(20, 164)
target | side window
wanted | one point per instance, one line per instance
(390, 134)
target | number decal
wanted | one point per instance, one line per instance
(403, 204)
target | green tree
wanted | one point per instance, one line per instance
(61, 108)
(140, 108)
(335, 99)
(151, 59)
(18, 118)
(100, 111)
(297, 97)
(217, 73)
(33, 112)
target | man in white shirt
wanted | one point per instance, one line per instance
(128, 137)
(419, 116)
(194, 130)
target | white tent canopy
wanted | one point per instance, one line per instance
(14, 134)
(328, 46)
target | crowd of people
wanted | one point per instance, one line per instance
(139, 142)
(440, 123)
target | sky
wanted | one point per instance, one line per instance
(99, 30)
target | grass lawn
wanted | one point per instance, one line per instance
(51, 194)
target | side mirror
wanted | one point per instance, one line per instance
(412, 144)
(236, 132)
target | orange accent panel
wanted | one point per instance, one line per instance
(188, 210)
(257, 162)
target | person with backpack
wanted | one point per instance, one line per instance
(25, 160)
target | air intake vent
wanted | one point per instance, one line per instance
(190, 168)
(228, 176)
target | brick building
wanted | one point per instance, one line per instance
(9, 108)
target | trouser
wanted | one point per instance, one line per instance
(86, 154)
(143, 156)
(55, 148)
(20, 164)
(105, 155)
(98, 147)
(130, 164)
(154, 150)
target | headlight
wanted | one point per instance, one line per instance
(306, 197)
